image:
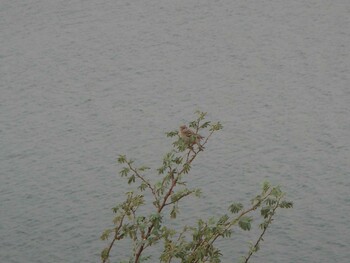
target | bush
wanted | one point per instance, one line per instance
(192, 243)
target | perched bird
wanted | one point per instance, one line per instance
(186, 134)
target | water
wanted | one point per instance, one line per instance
(83, 81)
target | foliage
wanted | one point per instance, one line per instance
(192, 243)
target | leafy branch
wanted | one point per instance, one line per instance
(192, 244)
(201, 247)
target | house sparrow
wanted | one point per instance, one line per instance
(186, 134)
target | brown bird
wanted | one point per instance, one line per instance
(186, 134)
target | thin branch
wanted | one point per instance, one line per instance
(206, 140)
(116, 237)
(171, 174)
(143, 179)
(263, 232)
(254, 207)
(160, 208)
(173, 202)
(230, 224)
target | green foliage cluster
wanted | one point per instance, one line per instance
(192, 243)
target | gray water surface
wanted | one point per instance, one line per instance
(84, 81)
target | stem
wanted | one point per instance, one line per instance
(171, 173)
(164, 203)
(229, 225)
(263, 232)
(254, 207)
(206, 140)
(143, 179)
(173, 202)
(116, 237)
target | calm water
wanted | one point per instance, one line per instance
(83, 81)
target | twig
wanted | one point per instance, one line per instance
(143, 179)
(263, 232)
(114, 239)
(230, 224)
(160, 208)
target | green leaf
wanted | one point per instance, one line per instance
(257, 247)
(198, 192)
(286, 204)
(201, 115)
(121, 159)
(104, 254)
(265, 211)
(235, 207)
(117, 219)
(178, 160)
(270, 201)
(171, 133)
(161, 170)
(156, 218)
(254, 249)
(211, 221)
(106, 234)
(138, 201)
(205, 125)
(227, 233)
(193, 124)
(266, 186)
(264, 225)
(223, 220)
(115, 209)
(186, 168)
(180, 145)
(245, 223)
(158, 185)
(144, 259)
(143, 186)
(124, 171)
(276, 191)
(143, 168)
(174, 212)
(215, 127)
(131, 179)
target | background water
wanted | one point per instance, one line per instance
(83, 81)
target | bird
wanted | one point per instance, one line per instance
(186, 134)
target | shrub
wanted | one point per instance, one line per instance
(192, 243)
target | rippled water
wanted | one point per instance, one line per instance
(83, 81)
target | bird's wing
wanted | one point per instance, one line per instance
(188, 132)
